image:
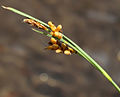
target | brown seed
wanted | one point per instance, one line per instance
(55, 46)
(53, 40)
(69, 48)
(64, 46)
(58, 42)
(67, 52)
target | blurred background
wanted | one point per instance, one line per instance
(28, 70)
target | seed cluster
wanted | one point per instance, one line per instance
(54, 44)
(60, 47)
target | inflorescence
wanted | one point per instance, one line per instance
(56, 34)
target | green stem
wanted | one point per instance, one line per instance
(42, 32)
(70, 43)
(25, 15)
(92, 61)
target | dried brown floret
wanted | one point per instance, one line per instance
(35, 24)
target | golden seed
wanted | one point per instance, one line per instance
(67, 52)
(50, 23)
(59, 27)
(58, 51)
(60, 36)
(52, 33)
(56, 34)
(53, 28)
(49, 47)
(53, 40)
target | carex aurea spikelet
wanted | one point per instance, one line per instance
(54, 43)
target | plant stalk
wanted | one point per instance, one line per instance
(69, 42)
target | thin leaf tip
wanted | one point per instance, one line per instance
(3, 6)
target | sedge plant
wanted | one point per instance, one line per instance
(61, 43)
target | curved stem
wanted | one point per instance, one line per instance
(71, 44)
(25, 15)
(91, 60)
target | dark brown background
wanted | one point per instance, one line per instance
(93, 24)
